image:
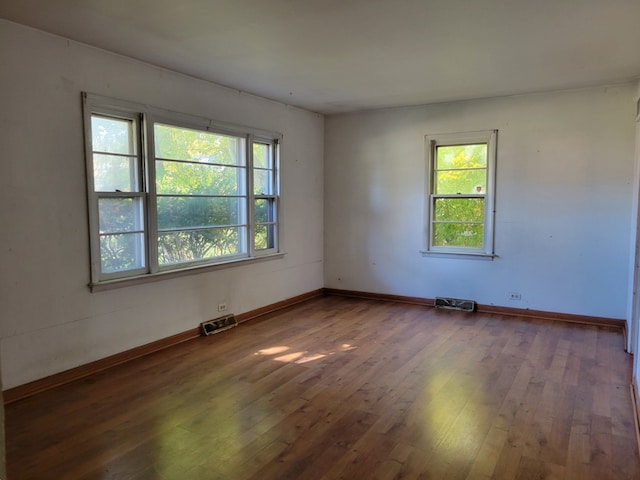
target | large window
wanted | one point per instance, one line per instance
(172, 192)
(460, 206)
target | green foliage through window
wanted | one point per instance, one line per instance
(199, 179)
(459, 180)
(188, 201)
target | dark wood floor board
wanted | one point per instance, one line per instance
(346, 388)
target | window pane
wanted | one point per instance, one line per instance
(458, 235)
(114, 173)
(197, 179)
(459, 209)
(264, 210)
(120, 215)
(262, 155)
(262, 184)
(178, 143)
(461, 156)
(112, 135)
(190, 212)
(264, 237)
(460, 181)
(122, 252)
(190, 246)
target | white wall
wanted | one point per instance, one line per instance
(564, 201)
(50, 320)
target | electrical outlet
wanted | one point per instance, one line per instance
(222, 307)
(515, 296)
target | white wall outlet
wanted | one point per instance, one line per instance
(515, 296)
(222, 307)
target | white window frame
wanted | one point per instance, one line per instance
(273, 196)
(488, 137)
(144, 118)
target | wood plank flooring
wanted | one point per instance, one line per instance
(343, 388)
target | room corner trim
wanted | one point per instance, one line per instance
(28, 389)
(429, 302)
(274, 307)
(562, 317)
(521, 312)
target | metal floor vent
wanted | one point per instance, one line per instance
(455, 304)
(218, 324)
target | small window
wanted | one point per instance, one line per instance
(170, 192)
(460, 205)
(265, 187)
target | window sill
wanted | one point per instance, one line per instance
(459, 255)
(156, 277)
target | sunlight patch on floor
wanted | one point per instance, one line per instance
(301, 356)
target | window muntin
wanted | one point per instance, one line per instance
(180, 198)
(460, 200)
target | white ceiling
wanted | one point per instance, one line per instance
(333, 56)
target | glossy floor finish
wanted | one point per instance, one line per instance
(346, 388)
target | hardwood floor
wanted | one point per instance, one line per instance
(346, 388)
